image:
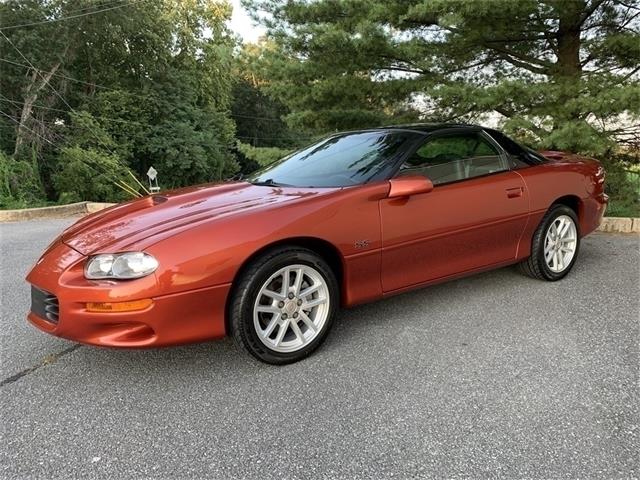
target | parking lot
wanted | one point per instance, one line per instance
(496, 375)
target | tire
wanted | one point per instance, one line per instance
(262, 314)
(537, 265)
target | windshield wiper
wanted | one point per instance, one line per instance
(267, 183)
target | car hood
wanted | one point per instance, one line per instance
(157, 216)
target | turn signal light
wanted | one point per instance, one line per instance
(119, 306)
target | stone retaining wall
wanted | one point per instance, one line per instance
(56, 211)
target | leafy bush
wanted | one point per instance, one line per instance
(89, 174)
(19, 183)
(623, 187)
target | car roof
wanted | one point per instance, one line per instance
(424, 128)
(430, 127)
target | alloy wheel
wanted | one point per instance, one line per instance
(291, 308)
(560, 243)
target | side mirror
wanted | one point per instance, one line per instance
(407, 186)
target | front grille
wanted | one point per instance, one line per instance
(44, 304)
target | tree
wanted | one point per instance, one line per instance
(259, 117)
(563, 73)
(154, 76)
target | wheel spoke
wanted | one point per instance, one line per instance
(297, 331)
(298, 284)
(308, 322)
(272, 325)
(548, 256)
(277, 296)
(267, 309)
(314, 303)
(309, 290)
(283, 329)
(286, 281)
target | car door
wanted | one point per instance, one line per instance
(473, 218)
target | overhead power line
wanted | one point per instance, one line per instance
(61, 19)
(71, 126)
(145, 97)
(71, 108)
(26, 128)
(129, 122)
(91, 167)
(60, 110)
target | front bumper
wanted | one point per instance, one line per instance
(177, 318)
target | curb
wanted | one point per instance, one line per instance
(80, 208)
(620, 225)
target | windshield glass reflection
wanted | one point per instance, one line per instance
(339, 161)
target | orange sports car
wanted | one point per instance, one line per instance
(350, 219)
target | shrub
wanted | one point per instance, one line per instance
(88, 174)
(623, 187)
(19, 183)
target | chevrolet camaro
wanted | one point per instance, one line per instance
(353, 218)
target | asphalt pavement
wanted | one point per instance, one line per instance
(496, 375)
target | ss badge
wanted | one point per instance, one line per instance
(361, 243)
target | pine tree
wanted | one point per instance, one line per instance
(562, 73)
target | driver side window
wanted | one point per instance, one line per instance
(453, 158)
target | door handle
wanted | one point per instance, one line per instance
(514, 192)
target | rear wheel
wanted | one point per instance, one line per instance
(284, 305)
(555, 245)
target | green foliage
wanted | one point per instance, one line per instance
(258, 117)
(561, 73)
(262, 155)
(146, 84)
(19, 183)
(162, 83)
(88, 174)
(623, 187)
(90, 167)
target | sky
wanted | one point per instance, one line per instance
(242, 24)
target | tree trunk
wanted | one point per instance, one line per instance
(568, 64)
(568, 69)
(31, 95)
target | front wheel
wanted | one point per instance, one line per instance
(284, 305)
(555, 245)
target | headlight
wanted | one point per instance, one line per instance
(120, 266)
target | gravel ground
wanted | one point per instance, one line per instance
(496, 375)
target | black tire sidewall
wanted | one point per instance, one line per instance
(253, 282)
(551, 216)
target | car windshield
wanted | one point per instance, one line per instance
(339, 161)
